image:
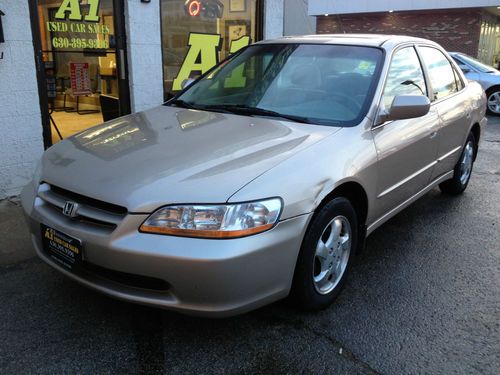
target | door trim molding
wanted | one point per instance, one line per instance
(410, 177)
(448, 154)
(381, 220)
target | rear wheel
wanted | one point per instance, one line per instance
(326, 255)
(493, 96)
(463, 169)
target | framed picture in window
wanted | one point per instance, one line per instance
(237, 5)
(234, 30)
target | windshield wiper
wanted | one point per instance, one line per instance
(181, 103)
(247, 110)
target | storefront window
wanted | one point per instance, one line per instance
(79, 56)
(196, 34)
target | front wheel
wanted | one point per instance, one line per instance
(326, 255)
(463, 169)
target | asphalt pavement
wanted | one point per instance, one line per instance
(423, 298)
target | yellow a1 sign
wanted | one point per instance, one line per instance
(203, 54)
(71, 10)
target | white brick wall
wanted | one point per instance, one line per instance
(273, 19)
(144, 54)
(21, 142)
(296, 20)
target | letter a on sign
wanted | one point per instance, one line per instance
(71, 6)
(201, 56)
(75, 13)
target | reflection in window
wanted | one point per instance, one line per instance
(229, 20)
(440, 72)
(325, 84)
(405, 76)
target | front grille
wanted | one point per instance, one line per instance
(90, 211)
(127, 279)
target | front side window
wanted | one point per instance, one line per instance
(323, 84)
(441, 73)
(405, 76)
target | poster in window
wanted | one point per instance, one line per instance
(234, 30)
(80, 78)
(237, 5)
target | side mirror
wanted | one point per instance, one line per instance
(407, 106)
(187, 82)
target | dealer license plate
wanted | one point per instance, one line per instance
(64, 249)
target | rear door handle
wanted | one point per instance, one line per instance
(433, 134)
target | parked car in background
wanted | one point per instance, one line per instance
(487, 76)
(262, 178)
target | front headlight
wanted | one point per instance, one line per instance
(215, 221)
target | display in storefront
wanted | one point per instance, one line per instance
(204, 8)
(75, 26)
(80, 78)
(196, 34)
(237, 6)
(203, 55)
(72, 10)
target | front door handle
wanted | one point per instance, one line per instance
(433, 134)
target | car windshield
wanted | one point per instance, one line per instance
(309, 83)
(483, 68)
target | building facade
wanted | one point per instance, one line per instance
(468, 26)
(66, 65)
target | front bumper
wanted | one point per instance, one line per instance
(204, 277)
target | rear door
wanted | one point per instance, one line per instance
(406, 149)
(451, 101)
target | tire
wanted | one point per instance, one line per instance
(493, 101)
(463, 169)
(313, 288)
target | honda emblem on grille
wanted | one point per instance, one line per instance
(70, 209)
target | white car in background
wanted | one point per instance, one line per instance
(486, 75)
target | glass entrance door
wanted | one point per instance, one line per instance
(82, 63)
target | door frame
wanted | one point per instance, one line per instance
(121, 63)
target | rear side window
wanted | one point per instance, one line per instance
(441, 74)
(405, 76)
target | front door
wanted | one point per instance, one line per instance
(406, 148)
(81, 62)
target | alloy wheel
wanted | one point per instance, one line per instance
(494, 102)
(332, 255)
(466, 162)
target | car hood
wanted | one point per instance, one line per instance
(173, 155)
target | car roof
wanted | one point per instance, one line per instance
(372, 40)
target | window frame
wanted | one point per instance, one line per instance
(422, 68)
(426, 72)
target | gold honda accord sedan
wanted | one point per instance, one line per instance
(262, 178)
